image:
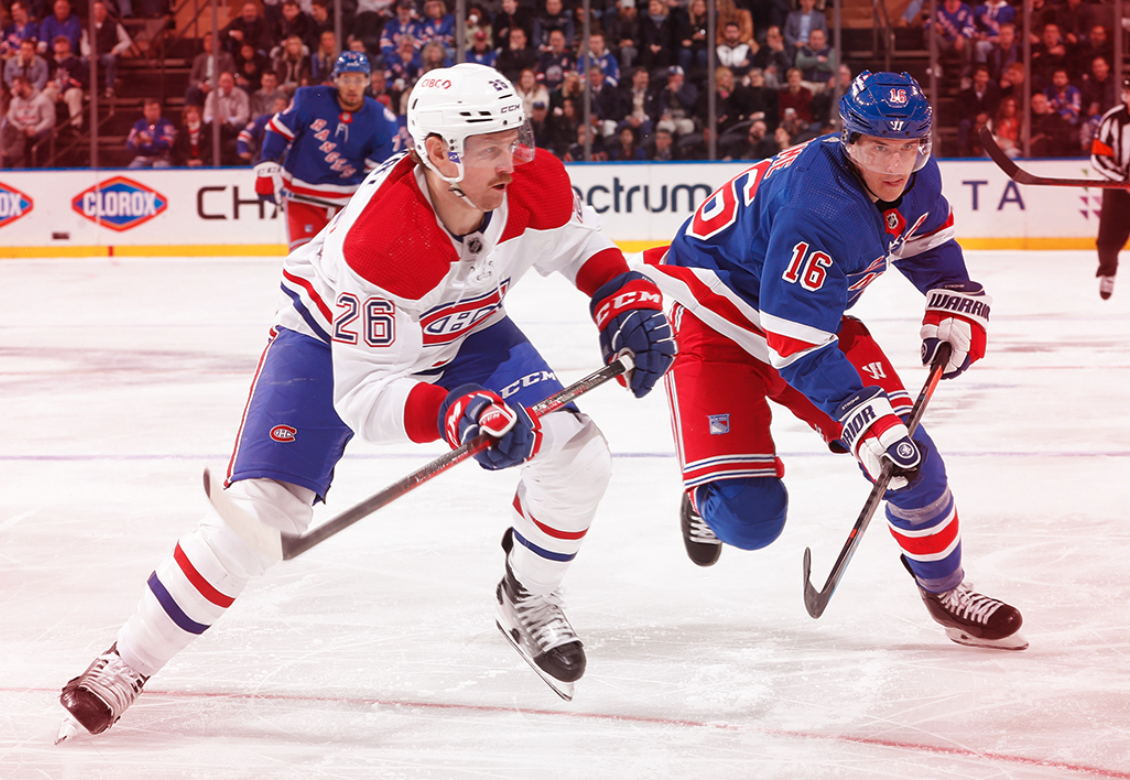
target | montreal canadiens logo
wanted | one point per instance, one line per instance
(284, 433)
(13, 204)
(119, 203)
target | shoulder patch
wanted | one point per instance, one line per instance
(396, 243)
(540, 196)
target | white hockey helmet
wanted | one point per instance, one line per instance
(461, 101)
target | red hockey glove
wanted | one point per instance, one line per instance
(957, 314)
(470, 410)
(268, 182)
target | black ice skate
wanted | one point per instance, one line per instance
(98, 697)
(973, 619)
(703, 547)
(538, 629)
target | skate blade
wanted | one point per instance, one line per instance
(1016, 641)
(68, 730)
(562, 689)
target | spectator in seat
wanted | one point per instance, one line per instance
(320, 13)
(1097, 44)
(530, 90)
(404, 66)
(1064, 98)
(22, 28)
(1075, 20)
(795, 96)
(774, 58)
(692, 44)
(519, 56)
(576, 150)
(982, 98)
(604, 105)
(728, 12)
(1051, 133)
(1051, 53)
(250, 65)
(1005, 126)
(438, 25)
(29, 65)
(565, 118)
(816, 59)
(628, 148)
(229, 105)
(639, 104)
(151, 138)
(730, 102)
(478, 20)
(193, 145)
(1099, 93)
(62, 22)
(68, 80)
(378, 88)
(554, 16)
(801, 22)
(677, 103)
(763, 100)
(432, 56)
(404, 23)
(201, 79)
(598, 53)
(987, 21)
(323, 59)
(292, 66)
(263, 99)
(1012, 82)
(295, 22)
(30, 118)
(1002, 52)
(540, 124)
(757, 144)
(480, 52)
(733, 52)
(556, 62)
(622, 31)
(662, 147)
(111, 41)
(659, 37)
(512, 16)
(248, 27)
(953, 27)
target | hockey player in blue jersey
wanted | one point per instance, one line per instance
(763, 274)
(317, 152)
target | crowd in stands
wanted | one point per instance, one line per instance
(645, 61)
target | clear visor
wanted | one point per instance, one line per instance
(890, 156)
(500, 150)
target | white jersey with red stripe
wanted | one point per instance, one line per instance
(774, 257)
(326, 151)
(395, 293)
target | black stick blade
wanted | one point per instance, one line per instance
(814, 601)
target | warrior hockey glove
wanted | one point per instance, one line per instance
(957, 314)
(629, 312)
(470, 410)
(268, 182)
(872, 431)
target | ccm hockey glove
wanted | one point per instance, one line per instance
(268, 182)
(629, 312)
(873, 432)
(471, 409)
(957, 314)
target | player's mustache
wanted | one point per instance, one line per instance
(505, 178)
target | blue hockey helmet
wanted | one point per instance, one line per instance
(888, 106)
(352, 62)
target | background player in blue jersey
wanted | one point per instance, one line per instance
(317, 152)
(763, 274)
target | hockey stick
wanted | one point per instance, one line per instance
(314, 201)
(1020, 176)
(284, 546)
(816, 601)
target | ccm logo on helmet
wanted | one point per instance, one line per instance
(283, 433)
(436, 83)
(506, 109)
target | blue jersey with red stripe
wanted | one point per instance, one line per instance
(775, 257)
(326, 151)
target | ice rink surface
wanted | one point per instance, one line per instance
(375, 655)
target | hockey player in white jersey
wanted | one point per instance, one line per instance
(392, 327)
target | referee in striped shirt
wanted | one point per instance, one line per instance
(1110, 154)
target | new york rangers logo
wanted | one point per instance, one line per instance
(898, 97)
(119, 203)
(719, 424)
(13, 204)
(450, 321)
